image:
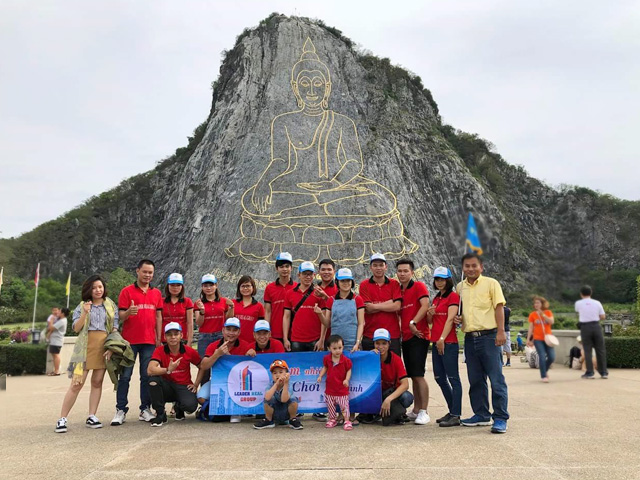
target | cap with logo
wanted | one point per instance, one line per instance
(279, 364)
(209, 278)
(232, 322)
(381, 334)
(172, 326)
(262, 326)
(379, 257)
(284, 257)
(175, 278)
(442, 272)
(344, 274)
(306, 267)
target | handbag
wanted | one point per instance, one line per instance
(549, 339)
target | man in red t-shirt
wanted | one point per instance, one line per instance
(275, 292)
(263, 341)
(140, 309)
(303, 312)
(415, 337)
(170, 376)
(382, 302)
(327, 270)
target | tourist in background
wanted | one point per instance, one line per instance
(590, 313)
(177, 308)
(506, 348)
(94, 318)
(540, 321)
(55, 335)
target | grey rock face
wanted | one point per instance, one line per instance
(314, 149)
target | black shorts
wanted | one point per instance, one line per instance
(414, 354)
(53, 349)
(368, 344)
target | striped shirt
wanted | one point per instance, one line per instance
(97, 317)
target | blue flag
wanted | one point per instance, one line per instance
(473, 241)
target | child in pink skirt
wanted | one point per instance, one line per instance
(338, 370)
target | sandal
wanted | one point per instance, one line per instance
(347, 425)
(330, 424)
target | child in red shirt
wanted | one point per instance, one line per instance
(338, 370)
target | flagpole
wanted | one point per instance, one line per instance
(35, 300)
(1, 278)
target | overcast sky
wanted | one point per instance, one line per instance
(94, 92)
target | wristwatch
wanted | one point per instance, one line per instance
(412, 323)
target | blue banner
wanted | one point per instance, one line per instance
(238, 383)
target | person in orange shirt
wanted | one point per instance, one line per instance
(540, 321)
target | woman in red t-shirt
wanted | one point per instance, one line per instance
(540, 321)
(177, 308)
(445, 349)
(246, 308)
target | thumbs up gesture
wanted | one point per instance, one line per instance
(133, 309)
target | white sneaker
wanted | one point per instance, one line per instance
(93, 422)
(61, 425)
(118, 418)
(423, 418)
(146, 415)
(235, 419)
(412, 415)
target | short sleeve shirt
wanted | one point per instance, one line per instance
(336, 374)
(371, 292)
(248, 317)
(274, 295)
(442, 304)
(331, 290)
(479, 302)
(540, 327)
(411, 297)
(239, 347)
(182, 374)
(214, 313)
(392, 371)
(141, 328)
(272, 346)
(306, 325)
(176, 312)
(589, 310)
(56, 339)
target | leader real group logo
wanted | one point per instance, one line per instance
(247, 383)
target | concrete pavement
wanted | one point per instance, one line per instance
(567, 429)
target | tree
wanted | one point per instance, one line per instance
(116, 281)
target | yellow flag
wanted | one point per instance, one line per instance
(68, 285)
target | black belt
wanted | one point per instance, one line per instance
(480, 333)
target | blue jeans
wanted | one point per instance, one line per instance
(484, 359)
(122, 395)
(204, 340)
(546, 356)
(446, 374)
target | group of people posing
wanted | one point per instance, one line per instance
(396, 318)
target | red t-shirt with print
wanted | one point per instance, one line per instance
(411, 297)
(442, 305)
(214, 315)
(306, 325)
(336, 374)
(182, 374)
(248, 316)
(176, 312)
(274, 295)
(140, 329)
(371, 292)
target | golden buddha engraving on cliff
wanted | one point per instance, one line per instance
(312, 199)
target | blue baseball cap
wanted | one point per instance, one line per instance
(175, 278)
(381, 334)
(442, 272)
(209, 278)
(344, 274)
(232, 322)
(262, 326)
(306, 267)
(172, 326)
(284, 257)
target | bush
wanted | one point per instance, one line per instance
(623, 352)
(19, 358)
(20, 336)
(5, 333)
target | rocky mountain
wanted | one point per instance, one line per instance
(314, 148)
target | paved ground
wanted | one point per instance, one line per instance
(567, 429)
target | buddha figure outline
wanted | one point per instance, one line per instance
(312, 199)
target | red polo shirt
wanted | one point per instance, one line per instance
(306, 324)
(182, 374)
(392, 371)
(176, 312)
(273, 346)
(411, 297)
(336, 374)
(274, 295)
(442, 305)
(141, 328)
(239, 347)
(371, 292)
(248, 317)
(330, 290)
(214, 313)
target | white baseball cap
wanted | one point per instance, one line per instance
(306, 267)
(172, 326)
(381, 334)
(284, 257)
(262, 325)
(377, 256)
(442, 272)
(175, 278)
(232, 322)
(344, 274)
(209, 278)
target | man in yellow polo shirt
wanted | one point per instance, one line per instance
(483, 324)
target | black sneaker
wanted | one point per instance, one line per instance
(265, 423)
(508, 364)
(93, 422)
(588, 376)
(61, 425)
(295, 424)
(179, 413)
(159, 420)
(300, 415)
(320, 417)
(366, 418)
(444, 419)
(452, 421)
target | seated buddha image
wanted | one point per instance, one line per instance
(312, 199)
